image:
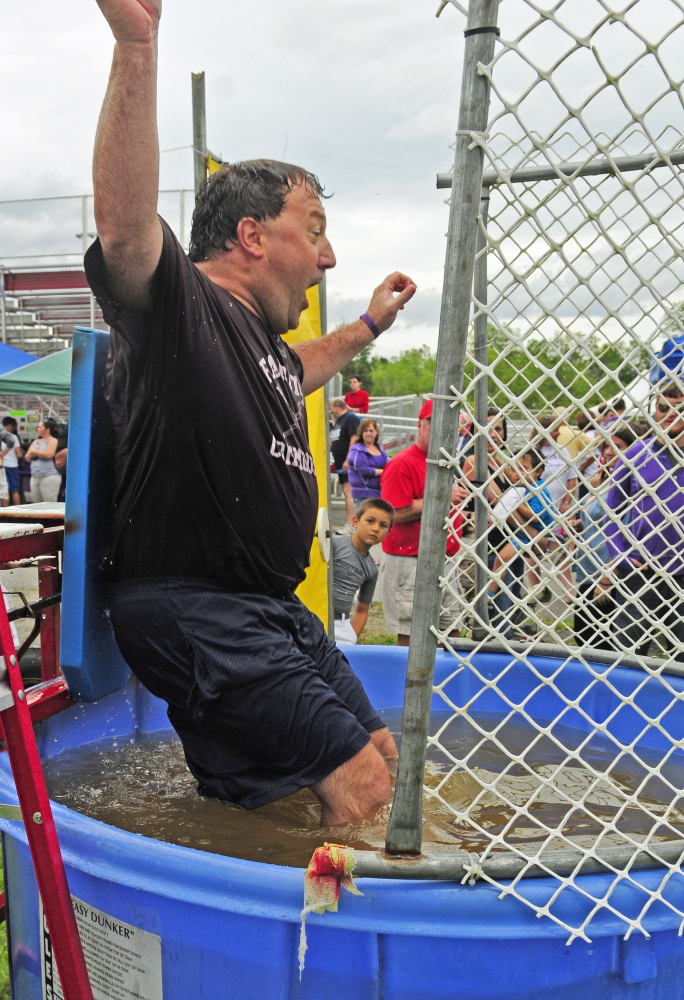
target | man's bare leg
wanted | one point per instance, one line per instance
(349, 505)
(359, 786)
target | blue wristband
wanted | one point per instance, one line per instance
(371, 325)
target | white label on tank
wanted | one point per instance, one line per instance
(124, 962)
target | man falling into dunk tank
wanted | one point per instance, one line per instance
(202, 598)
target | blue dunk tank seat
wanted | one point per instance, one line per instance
(91, 661)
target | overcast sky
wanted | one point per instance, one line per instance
(362, 92)
(365, 93)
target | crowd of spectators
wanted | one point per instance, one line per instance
(33, 471)
(587, 515)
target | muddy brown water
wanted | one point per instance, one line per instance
(144, 786)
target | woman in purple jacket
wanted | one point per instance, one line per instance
(366, 461)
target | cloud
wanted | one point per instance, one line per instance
(363, 93)
(422, 310)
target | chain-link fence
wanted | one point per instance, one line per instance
(555, 741)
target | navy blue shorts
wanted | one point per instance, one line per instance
(262, 700)
(12, 478)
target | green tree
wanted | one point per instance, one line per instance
(559, 372)
(537, 372)
(362, 367)
(413, 371)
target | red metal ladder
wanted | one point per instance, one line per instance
(36, 814)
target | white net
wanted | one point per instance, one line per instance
(560, 725)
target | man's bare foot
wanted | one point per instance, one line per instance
(356, 788)
(383, 741)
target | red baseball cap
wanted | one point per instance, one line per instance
(425, 410)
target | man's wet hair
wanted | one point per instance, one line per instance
(536, 459)
(254, 189)
(378, 504)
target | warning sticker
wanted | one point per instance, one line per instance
(124, 962)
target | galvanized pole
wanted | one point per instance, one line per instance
(84, 223)
(181, 225)
(199, 129)
(404, 831)
(323, 305)
(3, 316)
(481, 357)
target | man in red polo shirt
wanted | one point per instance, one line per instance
(403, 484)
(358, 399)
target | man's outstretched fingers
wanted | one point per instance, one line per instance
(389, 297)
(354, 789)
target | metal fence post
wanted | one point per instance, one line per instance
(181, 226)
(199, 130)
(404, 831)
(480, 357)
(84, 223)
(3, 319)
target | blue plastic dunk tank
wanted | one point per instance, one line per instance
(217, 927)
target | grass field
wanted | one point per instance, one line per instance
(374, 633)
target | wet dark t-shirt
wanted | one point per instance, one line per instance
(213, 474)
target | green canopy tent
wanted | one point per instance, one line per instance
(49, 376)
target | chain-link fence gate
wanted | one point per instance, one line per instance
(555, 746)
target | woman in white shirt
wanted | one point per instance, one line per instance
(45, 477)
(560, 479)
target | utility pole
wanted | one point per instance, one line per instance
(199, 129)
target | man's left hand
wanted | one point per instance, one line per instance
(389, 297)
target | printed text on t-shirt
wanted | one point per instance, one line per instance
(274, 370)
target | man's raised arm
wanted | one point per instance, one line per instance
(324, 357)
(126, 159)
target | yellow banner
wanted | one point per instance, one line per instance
(212, 164)
(314, 590)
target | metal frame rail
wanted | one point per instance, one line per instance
(19, 710)
(404, 831)
(466, 270)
